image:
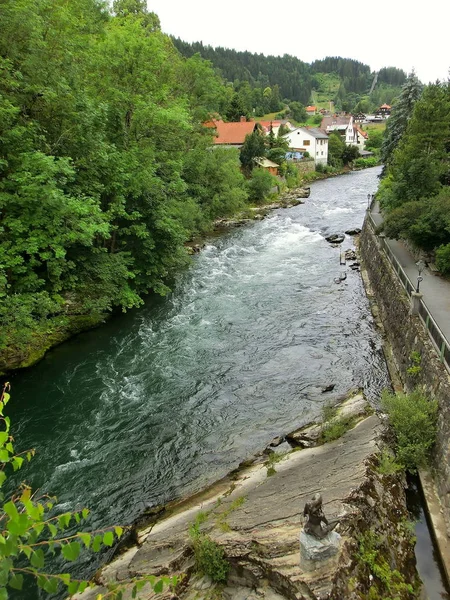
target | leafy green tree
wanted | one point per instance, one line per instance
(260, 185)
(298, 112)
(349, 154)
(336, 147)
(253, 147)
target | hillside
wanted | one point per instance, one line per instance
(343, 81)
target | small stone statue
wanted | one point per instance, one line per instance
(316, 523)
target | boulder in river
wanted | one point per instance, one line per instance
(335, 238)
(355, 231)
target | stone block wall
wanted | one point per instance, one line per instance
(405, 334)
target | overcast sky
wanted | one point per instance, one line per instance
(400, 33)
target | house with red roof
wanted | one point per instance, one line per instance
(311, 110)
(231, 134)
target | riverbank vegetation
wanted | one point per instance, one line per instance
(105, 169)
(413, 419)
(415, 190)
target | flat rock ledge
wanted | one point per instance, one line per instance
(257, 520)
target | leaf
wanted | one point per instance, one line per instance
(83, 586)
(118, 531)
(72, 588)
(51, 585)
(64, 520)
(53, 529)
(86, 539)
(65, 578)
(4, 455)
(37, 559)
(2, 478)
(108, 538)
(158, 587)
(16, 581)
(71, 551)
(11, 510)
(97, 543)
(3, 437)
(85, 512)
(17, 462)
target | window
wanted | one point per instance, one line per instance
(306, 142)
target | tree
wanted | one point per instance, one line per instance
(236, 109)
(400, 115)
(260, 185)
(336, 147)
(32, 534)
(298, 112)
(253, 147)
(349, 154)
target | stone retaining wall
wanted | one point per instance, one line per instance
(405, 334)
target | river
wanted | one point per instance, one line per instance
(163, 400)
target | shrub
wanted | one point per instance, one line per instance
(259, 185)
(387, 464)
(443, 259)
(413, 418)
(210, 558)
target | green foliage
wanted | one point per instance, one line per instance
(426, 223)
(443, 259)
(32, 534)
(260, 185)
(272, 459)
(400, 115)
(415, 369)
(336, 147)
(209, 557)
(297, 112)
(100, 123)
(253, 147)
(413, 418)
(366, 163)
(387, 464)
(387, 583)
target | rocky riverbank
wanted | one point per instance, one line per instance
(254, 518)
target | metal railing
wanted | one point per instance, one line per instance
(440, 342)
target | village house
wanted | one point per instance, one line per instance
(233, 134)
(311, 110)
(345, 125)
(311, 140)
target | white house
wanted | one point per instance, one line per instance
(311, 140)
(350, 131)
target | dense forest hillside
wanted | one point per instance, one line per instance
(297, 80)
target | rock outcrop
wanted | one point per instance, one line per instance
(255, 517)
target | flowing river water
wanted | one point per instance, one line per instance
(162, 401)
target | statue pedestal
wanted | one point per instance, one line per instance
(312, 549)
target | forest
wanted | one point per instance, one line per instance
(292, 80)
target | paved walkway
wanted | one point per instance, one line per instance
(435, 289)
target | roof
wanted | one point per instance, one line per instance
(232, 133)
(310, 108)
(269, 123)
(334, 120)
(313, 131)
(363, 133)
(265, 162)
(385, 106)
